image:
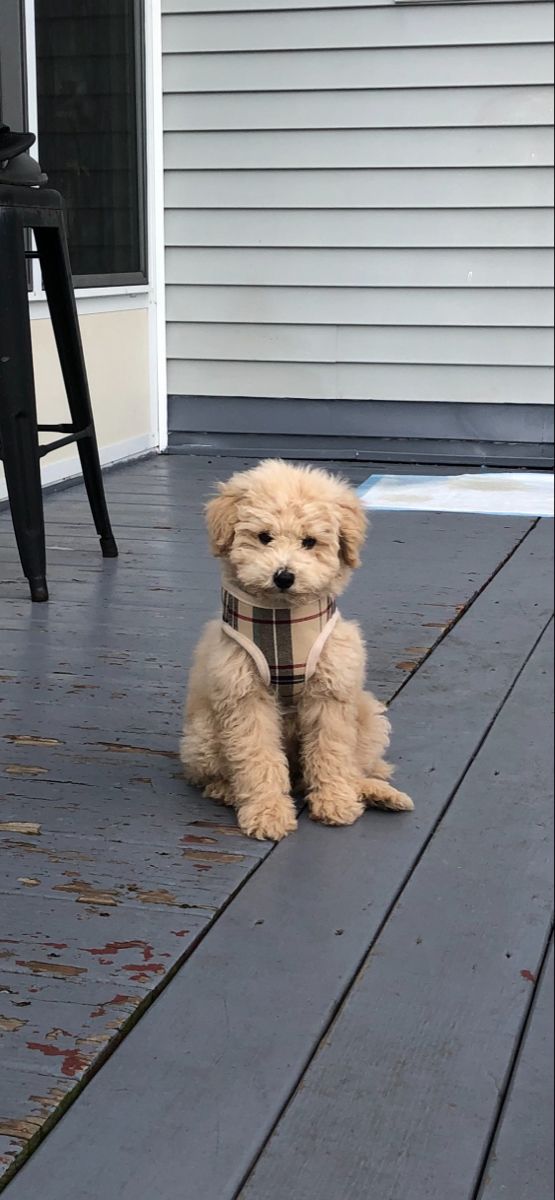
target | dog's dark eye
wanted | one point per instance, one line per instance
(309, 543)
(265, 538)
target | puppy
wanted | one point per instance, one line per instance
(276, 696)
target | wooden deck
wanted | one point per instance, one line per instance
(354, 1013)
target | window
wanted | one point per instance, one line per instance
(91, 131)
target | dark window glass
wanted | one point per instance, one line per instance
(90, 96)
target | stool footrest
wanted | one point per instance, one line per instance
(71, 435)
(63, 441)
(65, 428)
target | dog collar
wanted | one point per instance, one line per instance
(285, 643)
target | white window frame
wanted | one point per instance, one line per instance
(151, 295)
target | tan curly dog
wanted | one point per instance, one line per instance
(276, 697)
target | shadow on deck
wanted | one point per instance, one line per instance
(365, 1016)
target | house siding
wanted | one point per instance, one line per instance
(359, 201)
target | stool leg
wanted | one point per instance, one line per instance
(18, 412)
(56, 272)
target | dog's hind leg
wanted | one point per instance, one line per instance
(373, 739)
(373, 734)
(201, 761)
(218, 789)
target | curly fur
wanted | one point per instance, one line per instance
(237, 744)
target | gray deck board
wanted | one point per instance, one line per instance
(402, 1097)
(521, 1165)
(67, 865)
(199, 1083)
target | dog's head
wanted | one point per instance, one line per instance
(287, 532)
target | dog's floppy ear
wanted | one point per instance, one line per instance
(352, 527)
(220, 516)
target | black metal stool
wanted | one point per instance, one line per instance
(41, 210)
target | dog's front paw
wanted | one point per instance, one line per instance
(268, 820)
(335, 808)
(380, 794)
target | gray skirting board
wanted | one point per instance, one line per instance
(392, 431)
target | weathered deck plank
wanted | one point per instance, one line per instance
(402, 1098)
(224, 1046)
(33, 1098)
(521, 1161)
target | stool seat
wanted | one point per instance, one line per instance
(30, 199)
(42, 211)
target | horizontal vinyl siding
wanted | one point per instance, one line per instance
(436, 66)
(396, 188)
(352, 28)
(357, 268)
(263, 6)
(366, 108)
(359, 200)
(359, 343)
(399, 148)
(494, 307)
(356, 381)
(488, 227)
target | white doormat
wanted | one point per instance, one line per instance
(494, 493)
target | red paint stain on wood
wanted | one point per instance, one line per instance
(142, 971)
(180, 932)
(74, 1060)
(116, 1001)
(529, 976)
(115, 947)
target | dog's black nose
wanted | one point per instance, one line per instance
(284, 579)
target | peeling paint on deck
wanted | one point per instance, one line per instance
(28, 827)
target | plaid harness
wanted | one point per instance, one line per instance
(285, 643)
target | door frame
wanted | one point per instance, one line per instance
(12, 64)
